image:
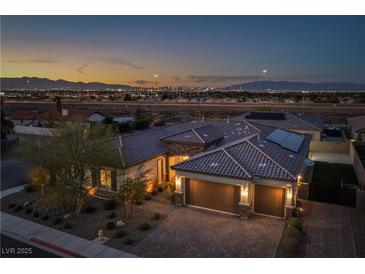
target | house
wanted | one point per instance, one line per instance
(24, 118)
(233, 166)
(357, 127)
(85, 116)
(301, 123)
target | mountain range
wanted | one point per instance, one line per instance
(288, 85)
(45, 83)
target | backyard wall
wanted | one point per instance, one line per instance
(358, 166)
(330, 147)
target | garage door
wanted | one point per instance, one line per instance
(269, 200)
(210, 195)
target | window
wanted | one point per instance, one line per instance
(106, 178)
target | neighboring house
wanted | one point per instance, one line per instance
(304, 124)
(232, 166)
(123, 119)
(47, 118)
(24, 118)
(357, 127)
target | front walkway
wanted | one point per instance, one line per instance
(329, 231)
(193, 233)
(52, 239)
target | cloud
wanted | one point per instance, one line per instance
(145, 82)
(35, 61)
(120, 61)
(84, 66)
(221, 78)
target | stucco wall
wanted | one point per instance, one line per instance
(330, 147)
(358, 167)
(316, 134)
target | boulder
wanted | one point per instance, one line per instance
(120, 223)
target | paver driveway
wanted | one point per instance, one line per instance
(189, 232)
(329, 231)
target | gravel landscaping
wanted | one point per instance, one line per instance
(87, 225)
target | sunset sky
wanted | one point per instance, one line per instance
(184, 50)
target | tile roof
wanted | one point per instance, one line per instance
(258, 157)
(199, 135)
(291, 121)
(141, 146)
(243, 151)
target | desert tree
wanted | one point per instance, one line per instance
(132, 189)
(69, 151)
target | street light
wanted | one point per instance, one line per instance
(156, 76)
(264, 71)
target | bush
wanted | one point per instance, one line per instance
(141, 124)
(153, 193)
(159, 189)
(147, 197)
(138, 202)
(11, 206)
(128, 241)
(110, 204)
(57, 221)
(29, 188)
(67, 225)
(45, 218)
(296, 223)
(111, 215)
(90, 209)
(28, 211)
(144, 227)
(120, 233)
(18, 208)
(156, 216)
(110, 226)
(36, 214)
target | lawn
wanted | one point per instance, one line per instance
(330, 174)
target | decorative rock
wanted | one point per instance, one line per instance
(67, 216)
(120, 223)
(26, 203)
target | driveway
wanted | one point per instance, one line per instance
(329, 231)
(189, 232)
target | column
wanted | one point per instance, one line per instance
(179, 190)
(245, 205)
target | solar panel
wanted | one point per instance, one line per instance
(286, 139)
(278, 136)
(293, 142)
(280, 116)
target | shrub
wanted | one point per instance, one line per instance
(156, 216)
(110, 226)
(90, 209)
(138, 202)
(67, 225)
(110, 204)
(144, 227)
(141, 124)
(296, 223)
(57, 221)
(29, 188)
(45, 218)
(11, 206)
(18, 208)
(153, 193)
(147, 197)
(36, 214)
(111, 215)
(159, 189)
(28, 211)
(120, 233)
(128, 241)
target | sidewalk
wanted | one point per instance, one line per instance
(52, 239)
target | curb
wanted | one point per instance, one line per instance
(57, 248)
